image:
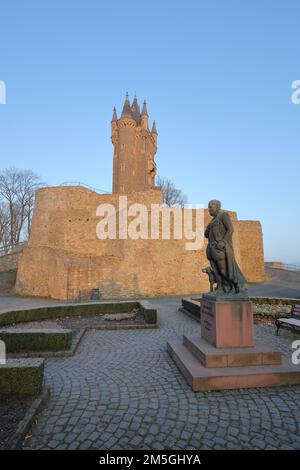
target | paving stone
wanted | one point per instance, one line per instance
(121, 390)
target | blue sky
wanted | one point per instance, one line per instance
(217, 77)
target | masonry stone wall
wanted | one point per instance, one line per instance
(135, 146)
(252, 250)
(9, 261)
(275, 264)
(64, 256)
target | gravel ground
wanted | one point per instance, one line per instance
(12, 411)
(76, 323)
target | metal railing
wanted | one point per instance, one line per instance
(291, 267)
(79, 183)
(7, 249)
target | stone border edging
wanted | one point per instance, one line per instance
(79, 339)
(18, 437)
(189, 314)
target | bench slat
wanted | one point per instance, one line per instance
(289, 321)
(295, 311)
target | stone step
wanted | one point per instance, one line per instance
(202, 378)
(21, 376)
(209, 356)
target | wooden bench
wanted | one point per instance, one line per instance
(292, 323)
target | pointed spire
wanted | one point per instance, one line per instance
(126, 108)
(115, 117)
(154, 130)
(144, 110)
(136, 110)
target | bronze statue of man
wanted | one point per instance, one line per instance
(220, 253)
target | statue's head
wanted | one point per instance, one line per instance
(213, 207)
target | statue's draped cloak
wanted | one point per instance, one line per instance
(220, 228)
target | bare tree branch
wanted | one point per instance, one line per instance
(17, 192)
(172, 196)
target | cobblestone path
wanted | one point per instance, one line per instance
(123, 391)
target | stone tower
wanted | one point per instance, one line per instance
(135, 145)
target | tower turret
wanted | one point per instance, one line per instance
(144, 116)
(136, 110)
(127, 112)
(114, 123)
(134, 149)
(154, 132)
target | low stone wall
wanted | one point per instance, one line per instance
(8, 270)
(274, 264)
(8, 281)
(10, 261)
(191, 306)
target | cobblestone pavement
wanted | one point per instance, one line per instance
(123, 391)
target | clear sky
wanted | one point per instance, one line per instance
(217, 77)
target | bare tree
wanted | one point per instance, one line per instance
(17, 191)
(4, 225)
(172, 196)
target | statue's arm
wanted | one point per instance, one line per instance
(228, 225)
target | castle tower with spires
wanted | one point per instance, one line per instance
(66, 259)
(135, 146)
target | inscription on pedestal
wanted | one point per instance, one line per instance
(208, 323)
(227, 324)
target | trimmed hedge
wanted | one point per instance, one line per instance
(263, 306)
(274, 301)
(272, 310)
(69, 310)
(266, 300)
(22, 377)
(17, 341)
(150, 314)
(58, 311)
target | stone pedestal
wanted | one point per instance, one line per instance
(227, 324)
(225, 356)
